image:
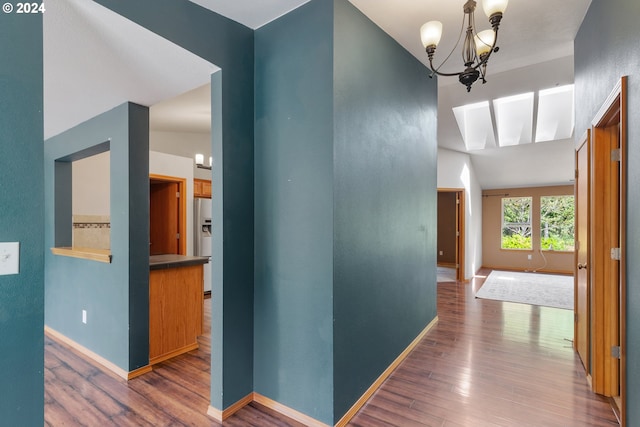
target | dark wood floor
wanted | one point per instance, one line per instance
(79, 392)
(486, 363)
(489, 363)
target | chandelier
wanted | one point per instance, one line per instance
(476, 48)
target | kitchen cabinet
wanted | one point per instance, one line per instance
(202, 188)
(175, 305)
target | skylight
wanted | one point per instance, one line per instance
(514, 115)
(514, 119)
(555, 114)
(474, 121)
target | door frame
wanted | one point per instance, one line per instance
(182, 211)
(583, 349)
(609, 328)
(460, 238)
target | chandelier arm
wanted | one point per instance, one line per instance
(468, 50)
(435, 70)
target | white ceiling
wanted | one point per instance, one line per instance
(188, 112)
(531, 31)
(95, 60)
(251, 13)
(91, 65)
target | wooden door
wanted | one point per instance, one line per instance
(164, 218)
(460, 236)
(451, 210)
(582, 294)
(605, 274)
(607, 253)
(447, 229)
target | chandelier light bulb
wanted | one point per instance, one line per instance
(491, 7)
(483, 41)
(430, 33)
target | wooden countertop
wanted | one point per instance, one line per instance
(157, 262)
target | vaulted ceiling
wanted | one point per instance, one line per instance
(91, 65)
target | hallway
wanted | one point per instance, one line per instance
(489, 363)
(486, 363)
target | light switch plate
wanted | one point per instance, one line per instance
(9, 258)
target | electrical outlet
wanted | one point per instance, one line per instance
(441, 253)
(529, 257)
(84, 316)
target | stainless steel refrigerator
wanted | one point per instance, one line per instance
(202, 237)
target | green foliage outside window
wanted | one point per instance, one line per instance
(516, 223)
(557, 223)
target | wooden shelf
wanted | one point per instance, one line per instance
(100, 255)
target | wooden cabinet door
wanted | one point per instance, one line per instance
(206, 189)
(202, 188)
(197, 188)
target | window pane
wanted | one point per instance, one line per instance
(516, 223)
(556, 223)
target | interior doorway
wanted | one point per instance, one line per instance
(167, 215)
(450, 240)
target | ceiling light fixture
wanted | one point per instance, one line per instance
(477, 47)
(200, 162)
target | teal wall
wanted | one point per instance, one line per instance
(345, 184)
(22, 220)
(606, 48)
(115, 295)
(229, 45)
(294, 210)
(385, 150)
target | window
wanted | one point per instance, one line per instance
(516, 223)
(557, 223)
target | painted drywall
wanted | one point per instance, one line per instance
(228, 45)
(183, 144)
(455, 170)
(496, 257)
(293, 359)
(385, 153)
(179, 167)
(91, 185)
(364, 169)
(114, 295)
(606, 48)
(22, 220)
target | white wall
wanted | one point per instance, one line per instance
(91, 185)
(179, 167)
(456, 171)
(91, 204)
(184, 144)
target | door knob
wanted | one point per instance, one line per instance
(581, 266)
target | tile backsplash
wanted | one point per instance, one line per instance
(92, 231)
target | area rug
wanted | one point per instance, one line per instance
(547, 290)
(446, 274)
